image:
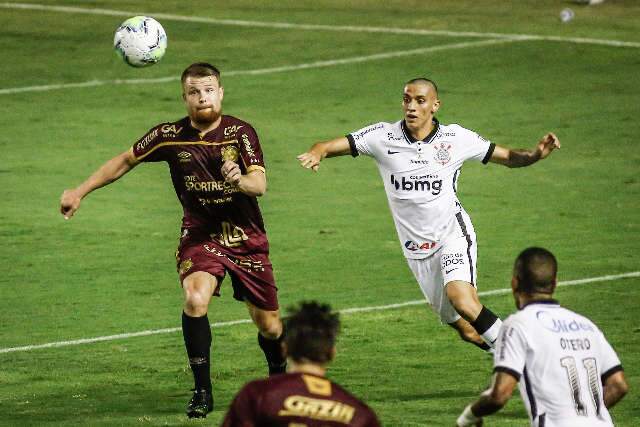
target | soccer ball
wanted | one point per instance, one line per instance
(140, 41)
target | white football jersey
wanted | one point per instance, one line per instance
(420, 179)
(561, 359)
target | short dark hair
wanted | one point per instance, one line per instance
(423, 80)
(536, 270)
(311, 332)
(200, 69)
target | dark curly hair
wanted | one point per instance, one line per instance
(311, 332)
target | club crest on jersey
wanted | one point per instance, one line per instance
(230, 153)
(442, 156)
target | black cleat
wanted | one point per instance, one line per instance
(200, 405)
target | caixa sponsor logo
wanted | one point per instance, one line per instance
(413, 246)
(417, 183)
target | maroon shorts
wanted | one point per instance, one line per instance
(251, 275)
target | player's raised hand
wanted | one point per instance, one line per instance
(309, 160)
(69, 203)
(231, 172)
(547, 144)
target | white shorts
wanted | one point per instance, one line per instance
(455, 260)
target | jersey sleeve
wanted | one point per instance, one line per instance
(148, 148)
(363, 141)
(242, 412)
(250, 150)
(609, 361)
(511, 350)
(476, 147)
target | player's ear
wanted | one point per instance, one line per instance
(436, 106)
(221, 93)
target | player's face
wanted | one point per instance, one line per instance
(203, 99)
(419, 104)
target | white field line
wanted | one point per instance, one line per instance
(315, 64)
(344, 311)
(313, 27)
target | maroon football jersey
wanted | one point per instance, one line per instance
(213, 209)
(298, 400)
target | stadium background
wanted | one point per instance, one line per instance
(111, 269)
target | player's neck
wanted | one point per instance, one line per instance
(422, 132)
(306, 368)
(206, 127)
(526, 299)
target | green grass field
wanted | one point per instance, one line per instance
(111, 269)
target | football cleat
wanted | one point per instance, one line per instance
(200, 405)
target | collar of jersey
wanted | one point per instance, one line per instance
(545, 301)
(410, 139)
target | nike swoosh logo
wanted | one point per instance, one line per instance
(449, 271)
(392, 152)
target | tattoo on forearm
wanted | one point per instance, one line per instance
(521, 157)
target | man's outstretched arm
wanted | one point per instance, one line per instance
(522, 157)
(106, 174)
(319, 151)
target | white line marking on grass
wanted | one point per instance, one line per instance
(344, 311)
(316, 64)
(314, 27)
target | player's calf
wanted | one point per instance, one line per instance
(270, 337)
(464, 298)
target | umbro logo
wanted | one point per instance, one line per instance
(392, 152)
(184, 156)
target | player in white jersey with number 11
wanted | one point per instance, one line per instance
(568, 374)
(419, 160)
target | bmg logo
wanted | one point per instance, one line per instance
(418, 183)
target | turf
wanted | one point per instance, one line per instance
(111, 269)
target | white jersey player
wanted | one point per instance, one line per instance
(419, 161)
(567, 372)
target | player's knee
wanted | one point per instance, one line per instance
(270, 326)
(196, 301)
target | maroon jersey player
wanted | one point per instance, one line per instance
(303, 396)
(217, 170)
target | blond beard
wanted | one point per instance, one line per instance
(205, 117)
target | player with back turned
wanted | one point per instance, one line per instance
(419, 160)
(303, 396)
(217, 170)
(567, 372)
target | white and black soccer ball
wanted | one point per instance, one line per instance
(140, 41)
